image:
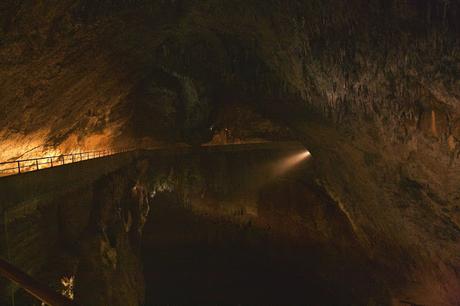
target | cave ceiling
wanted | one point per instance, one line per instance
(372, 88)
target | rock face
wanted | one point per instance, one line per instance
(109, 270)
(371, 87)
(86, 227)
(227, 226)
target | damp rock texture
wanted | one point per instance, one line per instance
(109, 270)
(371, 87)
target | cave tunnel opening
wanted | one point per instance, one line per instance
(256, 229)
(154, 152)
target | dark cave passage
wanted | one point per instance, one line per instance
(192, 259)
(279, 239)
(369, 215)
(222, 225)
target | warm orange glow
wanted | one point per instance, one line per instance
(15, 146)
(24, 153)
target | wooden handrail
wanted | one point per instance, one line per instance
(32, 286)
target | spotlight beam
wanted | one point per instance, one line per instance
(292, 161)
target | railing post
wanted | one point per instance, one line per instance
(19, 167)
(51, 161)
(36, 164)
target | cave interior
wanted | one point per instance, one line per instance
(244, 152)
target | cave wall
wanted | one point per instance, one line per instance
(109, 271)
(52, 226)
(211, 210)
(86, 219)
(371, 87)
(256, 187)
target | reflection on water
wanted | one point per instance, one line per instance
(202, 258)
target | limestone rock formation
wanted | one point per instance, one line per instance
(109, 270)
(372, 88)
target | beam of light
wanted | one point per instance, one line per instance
(290, 162)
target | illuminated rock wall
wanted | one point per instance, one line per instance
(371, 87)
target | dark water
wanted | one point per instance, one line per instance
(202, 260)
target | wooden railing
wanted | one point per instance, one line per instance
(34, 164)
(43, 293)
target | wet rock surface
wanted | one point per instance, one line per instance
(371, 87)
(288, 243)
(88, 231)
(109, 270)
(232, 228)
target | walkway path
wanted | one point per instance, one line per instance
(33, 164)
